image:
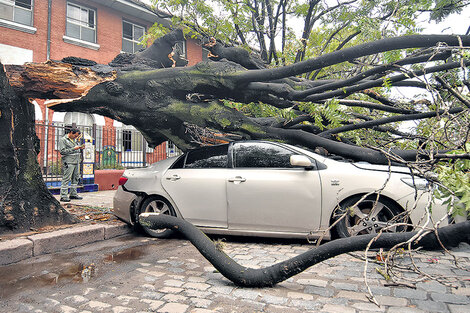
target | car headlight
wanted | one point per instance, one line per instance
(416, 182)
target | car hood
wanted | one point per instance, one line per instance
(382, 168)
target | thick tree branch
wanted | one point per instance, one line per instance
(347, 54)
(392, 119)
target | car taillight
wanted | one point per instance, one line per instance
(122, 180)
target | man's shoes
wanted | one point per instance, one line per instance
(76, 197)
(64, 200)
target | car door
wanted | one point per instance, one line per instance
(197, 185)
(266, 193)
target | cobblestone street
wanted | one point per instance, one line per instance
(171, 276)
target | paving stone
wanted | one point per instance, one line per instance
(66, 309)
(351, 295)
(345, 286)
(269, 299)
(197, 286)
(463, 291)
(450, 298)
(272, 308)
(313, 282)
(201, 303)
(75, 299)
(432, 286)
(379, 290)
(197, 293)
(121, 309)
(126, 299)
(454, 308)
(431, 306)
(153, 305)
(155, 273)
(391, 301)
(171, 290)
(151, 295)
(51, 302)
(196, 279)
(174, 298)
(335, 308)
(173, 308)
(97, 305)
(325, 292)
(410, 293)
(199, 310)
(401, 309)
(299, 295)
(363, 306)
(309, 305)
(225, 290)
(246, 294)
(173, 283)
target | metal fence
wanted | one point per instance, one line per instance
(107, 148)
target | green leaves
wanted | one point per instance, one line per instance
(455, 175)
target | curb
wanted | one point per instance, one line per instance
(16, 250)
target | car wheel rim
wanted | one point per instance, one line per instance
(159, 207)
(369, 217)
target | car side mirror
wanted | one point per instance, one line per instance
(301, 161)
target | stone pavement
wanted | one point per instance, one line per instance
(174, 277)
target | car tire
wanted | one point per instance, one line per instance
(155, 204)
(359, 221)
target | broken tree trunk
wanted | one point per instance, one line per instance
(25, 201)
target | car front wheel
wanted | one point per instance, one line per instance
(368, 217)
(160, 206)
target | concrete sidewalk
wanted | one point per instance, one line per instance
(29, 245)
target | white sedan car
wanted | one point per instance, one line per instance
(259, 188)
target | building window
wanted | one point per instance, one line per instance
(19, 11)
(131, 34)
(127, 140)
(81, 23)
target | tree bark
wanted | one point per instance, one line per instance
(25, 201)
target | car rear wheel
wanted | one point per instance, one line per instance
(368, 217)
(161, 206)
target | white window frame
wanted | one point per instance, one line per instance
(80, 22)
(133, 40)
(11, 23)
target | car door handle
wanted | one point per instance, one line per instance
(237, 179)
(173, 178)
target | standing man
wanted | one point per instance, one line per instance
(71, 155)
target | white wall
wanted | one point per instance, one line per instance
(15, 55)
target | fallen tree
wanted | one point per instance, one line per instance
(151, 91)
(166, 102)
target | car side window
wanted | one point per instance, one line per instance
(208, 157)
(261, 154)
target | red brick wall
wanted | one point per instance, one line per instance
(193, 51)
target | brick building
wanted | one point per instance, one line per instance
(39, 30)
